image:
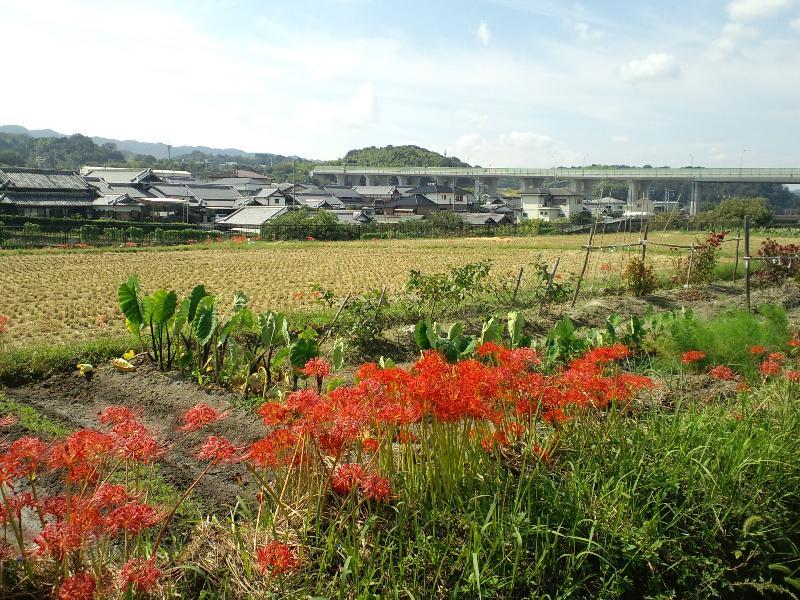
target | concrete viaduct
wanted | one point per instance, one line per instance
(578, 178)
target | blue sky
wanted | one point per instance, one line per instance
(498, 83)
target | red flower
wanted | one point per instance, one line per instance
(376, 487)
(201, 415)
(692, 356)
(80, 586)
(218, 449)
(277, 558)
(317, 367)
(793, 376)
(757, 350)
(794, 342)
(722, 373)
(58, 540)
(776, 357)
(769, 367)
(24, 456)
(3, 324)
(133, 517)
(273, 413)
(140, 574)
(278, 449)
(369, 445)
(112, 415)
(347, 477)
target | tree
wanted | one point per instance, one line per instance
(444, 219)
(733, 210)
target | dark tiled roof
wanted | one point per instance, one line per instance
(436, 189)
(207, 191)
(41, 179)
(344, 193)
(412, 201)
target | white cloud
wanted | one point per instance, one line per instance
(586, 32)
(358, 111)
(658, 65)
(795, 24)
(622, 138)
(746, 10)
(484, 34)
(730, 40)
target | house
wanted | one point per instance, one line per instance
(246, 186)
(550, 204)
(216, 200)
(377, 195)
(250, 217)
(270, 196)
(348, 196)
(445, 196)
(45, 193)
(606, 206)
(352, 217)
(643, 208)
(121, 207)
(135, 175)
(416, 204)
(324, 201)
(482, 218)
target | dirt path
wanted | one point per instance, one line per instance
(161, 400)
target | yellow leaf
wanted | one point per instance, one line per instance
(122, 365)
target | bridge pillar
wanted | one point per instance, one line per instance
(355, 180)
(586, 188)
(694, 201)
(445, 181)
(340, 179)
(528, 183)
(634, 190)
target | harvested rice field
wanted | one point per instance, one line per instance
(57, 295)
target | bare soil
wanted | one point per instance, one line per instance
(161, 400)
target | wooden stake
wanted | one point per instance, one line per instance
(583, 269)
(736, 264)
(747, 260)
(689, 270)
(644, 241)
(516, 287)
(546, 299)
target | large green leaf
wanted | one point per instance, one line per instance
(338, 353)
(205, 320)
(490, 332)
(198, 293)
(302, 351)
(267, 328)
(162, 305)
(455, 331)
(421, 336)
(239, 300)
(130, 304)
(181, 316)
(516, 323)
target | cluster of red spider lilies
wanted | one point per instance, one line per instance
(97, 530)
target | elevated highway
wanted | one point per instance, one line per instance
(578, 178)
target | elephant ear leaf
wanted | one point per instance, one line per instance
(490, 331)
(162, 306)
(338, 354)
(181, 316)
(198, 293)
(129, 302)
(205, 321)
(516, 323)
(267, 328)
(421, 336)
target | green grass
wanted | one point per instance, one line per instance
(37, 362)
(31, 419)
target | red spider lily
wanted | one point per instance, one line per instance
(769, 367)
(218, 449)
(139, 574)
(141, 447)
(376, 487)
(793, 376)
(6, 551)
(82, 454)
(607, 354)
(24, 456)
(201, 415)
(542, 453)
(722, 373)
(406, 437)
(112, 415)
(692, 356)
(756, 350)
(278, 449)
(794, 342)
(317, 367)
(80, 586)
(3, 324)
(15, 505)
(277, 558)
(58, 540)
(743, 387)
(369, 445)
(347, 477)
(489, 349)
(777, 357)
(273, 413)
(109, 495)
(132, 517)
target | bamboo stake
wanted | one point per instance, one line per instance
(583, 269)
(644, 241)
(516, 287)
(736, 264)
(546, 299)
(747, 261)
(689, 270)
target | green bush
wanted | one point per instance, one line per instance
(113, 235)
(31, 228)
(727, 338)
(135, 234)
(89, 234)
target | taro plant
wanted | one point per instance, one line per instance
(431, 291)
(155, 314)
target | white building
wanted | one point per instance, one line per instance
(550, 204)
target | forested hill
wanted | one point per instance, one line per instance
(398, 156)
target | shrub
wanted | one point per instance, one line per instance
(89, 234)
(782, 261)
(135, 234)
(112, 234)
(639, 277)
(31, 228)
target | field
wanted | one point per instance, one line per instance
(628, 447)
(58, 296)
